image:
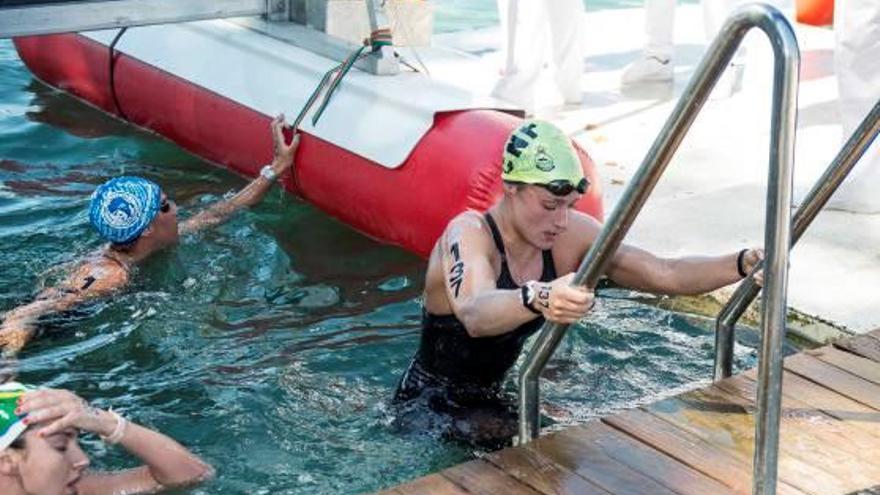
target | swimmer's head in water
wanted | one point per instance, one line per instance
(122, 208)
(11, 425)
(539, 153)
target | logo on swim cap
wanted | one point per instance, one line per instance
(538, 152)
(543, 161)
(119, 210)
(122, 208)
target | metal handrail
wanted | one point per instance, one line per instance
(777, 229)
(812, 204)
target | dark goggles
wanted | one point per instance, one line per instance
(562, 187)
(165, 206)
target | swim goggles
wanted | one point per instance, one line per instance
(562, 187)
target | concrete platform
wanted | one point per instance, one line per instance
(711, 199)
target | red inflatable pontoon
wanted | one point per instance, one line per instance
(198, 93)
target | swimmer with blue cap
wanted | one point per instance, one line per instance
(136, 217)
(40, 452)
(495, 277)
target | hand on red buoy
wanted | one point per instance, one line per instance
(284, 152)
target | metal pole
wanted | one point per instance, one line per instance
(811, 205)
(717, 57)
(621, 218)
(777, 242)
(383, 59)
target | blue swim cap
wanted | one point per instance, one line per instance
(122, 208)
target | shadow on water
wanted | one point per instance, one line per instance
(60, 110)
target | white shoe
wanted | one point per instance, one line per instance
(648, 68)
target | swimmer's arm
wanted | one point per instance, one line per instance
(221, 211)
(252, 193)
(19, 324)
(484, 309)
(641, 270)
(688, 275)
(167, 465)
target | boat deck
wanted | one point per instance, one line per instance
(701, 442)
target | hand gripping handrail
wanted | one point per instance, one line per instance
(812, 204)
(777, 235)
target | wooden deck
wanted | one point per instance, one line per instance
(701, 442)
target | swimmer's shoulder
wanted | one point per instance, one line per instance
(469, 227)
(97, 275)
(572, 245)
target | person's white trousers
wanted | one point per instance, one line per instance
(857, 63)
(532, 28)
(660, 23)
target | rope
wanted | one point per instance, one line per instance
(379, 38)
(340, 71)
(112, 69)
(343, 70)
(331, 83)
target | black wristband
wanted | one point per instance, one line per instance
(739, 263)
(524, 296)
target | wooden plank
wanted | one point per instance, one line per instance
(834, 378)
(432, 483)
(656, 465)
(542, 474)
(682, 445)
(807, 436)
(591, 463)
(857, 365)
(729, 427)
(482, 478)
(835, 405)
(703, 441)
(866, 346)
(804, 417)
(701, 417)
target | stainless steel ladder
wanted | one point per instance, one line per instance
(811, 205)
(777, 236)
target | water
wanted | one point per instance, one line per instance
(271, 344)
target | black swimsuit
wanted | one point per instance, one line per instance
(459, 374)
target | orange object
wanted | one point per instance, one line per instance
(815, 12)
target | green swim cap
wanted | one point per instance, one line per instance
(11, 426)
(538, 152)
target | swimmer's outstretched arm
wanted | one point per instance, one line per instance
(686, 275)
(167, 464)
(254, 192)
(19, 323)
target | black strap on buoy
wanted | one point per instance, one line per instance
(112, 68)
